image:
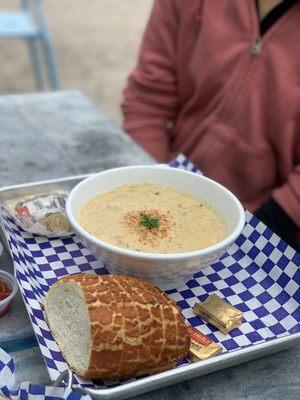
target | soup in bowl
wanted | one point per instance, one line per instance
(154, 222)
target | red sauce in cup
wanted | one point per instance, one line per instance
(4, 291)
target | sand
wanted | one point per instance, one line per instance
(96, 44)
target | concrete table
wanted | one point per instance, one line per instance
(46, 136)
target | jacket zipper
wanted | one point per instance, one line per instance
(256, 46)
(255, 50)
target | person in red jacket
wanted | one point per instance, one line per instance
(219, 80)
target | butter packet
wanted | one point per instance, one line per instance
(219, 313)
(202, 347)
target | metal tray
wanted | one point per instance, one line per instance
(256, 247)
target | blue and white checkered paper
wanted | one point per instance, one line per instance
(28, 391)
(259, 275)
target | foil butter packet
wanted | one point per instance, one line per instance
(219, 313)
(42, 215)
(202, 347)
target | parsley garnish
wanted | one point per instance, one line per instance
(149, 222)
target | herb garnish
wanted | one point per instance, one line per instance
(156, 193)
(148, 221)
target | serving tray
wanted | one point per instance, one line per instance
(259, 275)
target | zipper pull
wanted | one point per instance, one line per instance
(256, 47)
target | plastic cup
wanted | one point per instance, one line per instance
(11, 283)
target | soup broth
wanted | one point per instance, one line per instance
(152, 218)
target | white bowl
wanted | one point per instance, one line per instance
(167, 271)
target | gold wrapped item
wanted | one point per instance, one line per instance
(202, 347)
(219, 313)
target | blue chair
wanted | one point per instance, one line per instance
(30, 24)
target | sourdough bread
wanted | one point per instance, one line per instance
(115, 327)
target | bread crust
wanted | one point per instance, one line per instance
(136, 329)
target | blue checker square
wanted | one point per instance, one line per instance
(280, 313)
(257, 324)
(60, 272)
(169, 292)
(296, 296)
(232, 280)
(46, 334)
(267, 234)
(24, 394)
(254, 236)
(68, 263)
(277, 329)
(236, 332)
(50, 281)
(240, 240)
(60, 249)
(45, 245)
(282, 246)
(187, 294)
(214, 277)
(183, 304)
(264, 297)
(27, 240)
(209, 288)
(174, 164)
(283, 280)
(296, 276)
(6, 391)
(254, 337)
(242, 307)
(68, 240)
(283, 297)
(37, 253)
(43, 268)
(84, 267)
(41, 339)
(252, 268)
(57, 355)
(268, 249)
(253, 253)
(29, 294)
(296, 259)
(2, 365)
(226, 292)
(37, 390)
(76, 253)
(192, 283)
(254, 221)
(238, 255)
(90, 258)
(52, 258)
(262, 283)
(249, 282)
(235, 268)
(296, 314)
(230, 344)
(267, 282)
(261, 312)
(218, 266)
(268, 265)
(246, 295)
(50, 362)
(195, 321)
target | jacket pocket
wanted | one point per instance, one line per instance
(247, 170)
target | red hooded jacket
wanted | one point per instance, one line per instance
(207, 86)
